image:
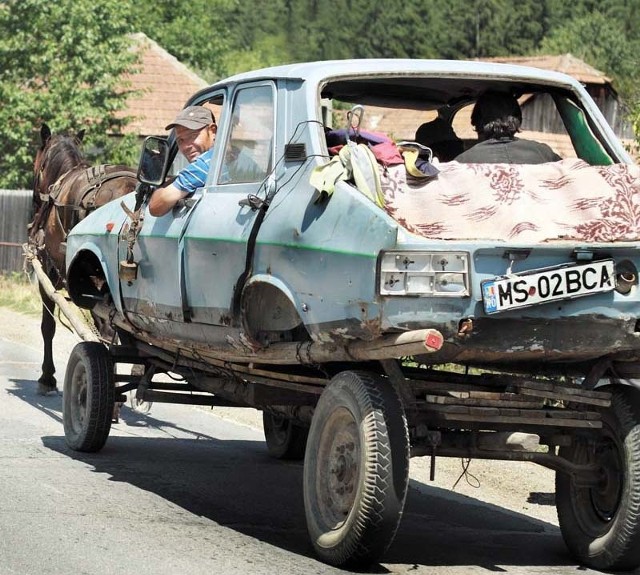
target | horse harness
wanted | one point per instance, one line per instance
(88, 182)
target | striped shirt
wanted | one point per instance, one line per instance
(195, 174)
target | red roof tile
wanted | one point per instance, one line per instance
(566, 63)
(164, 84)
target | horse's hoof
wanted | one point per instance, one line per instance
(47, 389)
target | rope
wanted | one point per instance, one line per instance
(471, 479)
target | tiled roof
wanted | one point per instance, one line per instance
(565, 63)
(164, 83)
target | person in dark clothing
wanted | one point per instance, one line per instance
(497, 117)
(440, 137)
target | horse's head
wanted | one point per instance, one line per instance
(57, 154)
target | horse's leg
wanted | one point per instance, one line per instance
(47, 381)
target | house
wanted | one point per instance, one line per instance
(598, 85)
(163, 85)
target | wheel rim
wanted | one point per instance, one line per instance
(79, 390)
(338, 474)
(605, 498)
(596, 507)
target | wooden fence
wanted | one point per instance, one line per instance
(15, 214)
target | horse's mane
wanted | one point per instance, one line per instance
(62, 153)
(58, 155)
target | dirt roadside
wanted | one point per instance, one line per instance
(520, 487)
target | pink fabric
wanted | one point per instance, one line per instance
(565, 200)
(387, 154)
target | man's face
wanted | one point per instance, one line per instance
(192, 143)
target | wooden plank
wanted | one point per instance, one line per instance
(478, 384)
(498, 400)
(452, 386)
(537, 414)
(568, 390)
(73, 314)
(551, 422)
(562, 396)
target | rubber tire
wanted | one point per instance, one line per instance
(285, 439)
(89, 397)
(601, 526)
(358, 414)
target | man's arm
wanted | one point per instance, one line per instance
(187, 181)
(163, 200)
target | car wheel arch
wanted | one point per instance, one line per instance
(86, 279)
(269, 305)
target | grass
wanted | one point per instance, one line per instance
(19, 293)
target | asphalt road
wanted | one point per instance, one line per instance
(185, 490)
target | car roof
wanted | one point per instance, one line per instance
(392, 82)
(326, 70)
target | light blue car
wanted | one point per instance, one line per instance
(379, 300)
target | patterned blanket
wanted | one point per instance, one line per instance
(565, 200)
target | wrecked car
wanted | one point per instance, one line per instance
(379, 306)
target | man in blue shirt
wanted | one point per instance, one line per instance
(195, 128)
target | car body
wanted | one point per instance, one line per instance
(315, 270)
(379, 304)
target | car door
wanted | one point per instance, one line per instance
(158, 290)
(217, 237)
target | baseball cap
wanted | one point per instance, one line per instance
(193, 118)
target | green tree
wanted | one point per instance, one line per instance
(199, 33)
(485, 28)
(599, 41)
(258, 38)
(61, 63)
(337, 29)
(606, 34)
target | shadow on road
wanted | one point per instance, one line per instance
(25, 389)
(234, 483)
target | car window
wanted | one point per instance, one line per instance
(248, 149)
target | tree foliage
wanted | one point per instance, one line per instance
(60, 63)
(199, 32)
(337, 29)
(596, 39)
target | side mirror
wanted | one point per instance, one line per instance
(154, 161)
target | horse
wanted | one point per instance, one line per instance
(65, 189)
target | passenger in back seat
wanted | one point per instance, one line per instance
(440, 137)
(496, 118)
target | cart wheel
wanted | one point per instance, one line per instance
(601, 524)
(356, 469)
(89, 397)
(285, 439)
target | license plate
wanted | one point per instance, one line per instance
(549, 284)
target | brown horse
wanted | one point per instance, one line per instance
(66, 188)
